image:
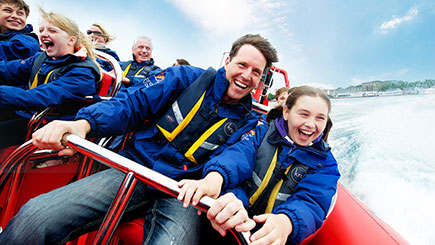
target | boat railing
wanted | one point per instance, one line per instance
(134, 172)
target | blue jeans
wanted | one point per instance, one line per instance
(72, 210)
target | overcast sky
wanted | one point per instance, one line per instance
(324, 43)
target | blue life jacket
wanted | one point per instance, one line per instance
(194, 128)
(37, 79)
(271, 184)
(134, 69)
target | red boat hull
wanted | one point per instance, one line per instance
(351, 222)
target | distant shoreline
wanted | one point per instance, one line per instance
(397, 92)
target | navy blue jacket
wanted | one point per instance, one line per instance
(128, 111)
(137, 72)
(76, 83)
(18, 44)
(309, 204)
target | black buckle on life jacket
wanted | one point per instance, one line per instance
(282, 175)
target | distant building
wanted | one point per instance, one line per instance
(392, 92)
(371, 86)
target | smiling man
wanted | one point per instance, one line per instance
(17, 41)
(197, 114)
(142, 65)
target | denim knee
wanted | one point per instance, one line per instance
(168, 222)
(28, 226)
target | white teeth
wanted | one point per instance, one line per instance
(306, 132)
(240, 84)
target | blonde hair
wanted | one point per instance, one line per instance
(71, 28)
(104, 32)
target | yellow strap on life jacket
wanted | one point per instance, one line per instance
(274, 194)
(139, 71)
(128, 68)
(265, 180)
(204, 136)
(35, 80)
(170, 136)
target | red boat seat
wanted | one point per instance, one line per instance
(25, 181)
(131, 232)
(106, 83)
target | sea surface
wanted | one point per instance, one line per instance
(385, 148)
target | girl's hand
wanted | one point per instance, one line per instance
(194, 190)
(276, 229)
(228, 212)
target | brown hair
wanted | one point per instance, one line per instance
(280, 91)
(182, 62)
(259, 43)
(297, 92)
(294, 94)
(19, 3)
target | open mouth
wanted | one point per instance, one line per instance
(48, 44)
(143, 57)
(14, 22)
(306, 133)
(240, 85)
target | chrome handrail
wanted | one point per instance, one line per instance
(149, 176)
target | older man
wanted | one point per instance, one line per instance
(197, 113)
(142, 65)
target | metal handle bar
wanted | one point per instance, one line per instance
(149, 176)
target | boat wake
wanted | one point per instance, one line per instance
(384, 149)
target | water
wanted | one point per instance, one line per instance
(385, 151)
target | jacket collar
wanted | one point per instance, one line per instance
(27, 29)
(68, 58)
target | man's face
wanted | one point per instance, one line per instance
(243, 72)
(11, 17)
(142, 51)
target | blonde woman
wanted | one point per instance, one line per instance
(100, 38)
(65, 70)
